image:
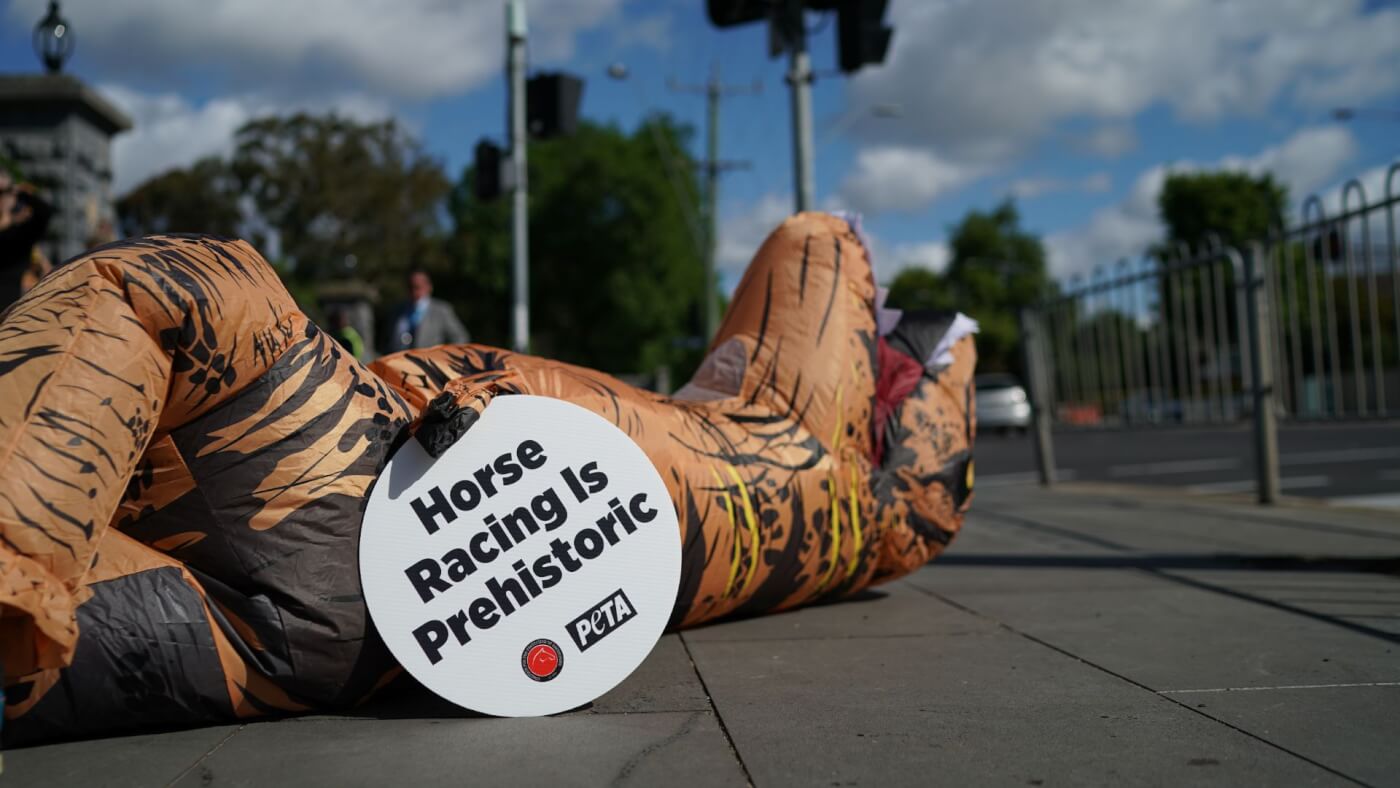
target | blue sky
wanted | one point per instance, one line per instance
(1076, 107)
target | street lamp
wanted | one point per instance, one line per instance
(53, 39)
(1344, 114)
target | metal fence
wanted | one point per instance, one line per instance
(1301, 325)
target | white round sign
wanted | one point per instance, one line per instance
(530, 568)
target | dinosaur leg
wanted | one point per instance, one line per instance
(186, 437)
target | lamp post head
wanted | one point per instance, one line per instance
(53, 39)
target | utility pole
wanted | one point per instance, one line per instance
(862, 39)
(520, 225)
(714, 90)
(792, 31)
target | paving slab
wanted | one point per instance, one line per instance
(120, 761)
(976, 537)
(665, 681)
(973, 572)
(1188, 530)
(1144, 518)
(979, 709)
(1352, 729)
(1367, 601)
(1180, 637)
(1087, 526)
(580, 749)
(891, 610)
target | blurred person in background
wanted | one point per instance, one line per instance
(24, 216)
(424, 321)
(344, 332)
(38, 268)
(102, 234)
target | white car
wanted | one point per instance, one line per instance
(1002, 403)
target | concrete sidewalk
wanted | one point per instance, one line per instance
(1087, 636)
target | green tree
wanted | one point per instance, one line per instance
(614, 271)
(920, 288)
(338, 190)
(1235, 206)
(201, 198)
(996, 268)
(1199, 209)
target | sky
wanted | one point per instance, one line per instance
(1077, 109)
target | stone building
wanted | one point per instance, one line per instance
(58, 132)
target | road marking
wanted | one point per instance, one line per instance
(1383, 501)
(1014, 479)
(1281, 687)
(1174, 466)
(1246, 485)
(1339, 455)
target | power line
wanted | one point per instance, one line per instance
(714, 92)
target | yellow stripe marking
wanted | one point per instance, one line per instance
(752, 521)
(835, 532)
(840, 422)
(859, 541)
(729, 510)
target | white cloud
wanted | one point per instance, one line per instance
(891, 178)
(170, 131)
(1096, 182)
(1121, 230)
(1028, 188)
(653, 32)
(1110, 140)
(1372, 183)
(980, 79)
(1303, 162)
(933, 255)
(394, 48)
(744, 230)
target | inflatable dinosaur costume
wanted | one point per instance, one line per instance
(185, 459)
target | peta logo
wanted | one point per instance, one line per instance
(601, 620)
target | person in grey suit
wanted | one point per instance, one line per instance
(424, 321)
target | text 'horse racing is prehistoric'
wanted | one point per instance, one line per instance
(184, 461)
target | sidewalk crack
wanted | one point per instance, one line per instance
(636, 760)
(709, 698)
(202, 758)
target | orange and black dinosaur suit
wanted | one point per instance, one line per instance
(185, 458)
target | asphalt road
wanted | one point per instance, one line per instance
(1352, 463)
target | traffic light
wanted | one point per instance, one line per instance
(551, 104)
(728, 13)
(862, 37)
(486, 171)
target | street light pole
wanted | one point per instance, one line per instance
(709, 314)
(799, 79)
(520, 224)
